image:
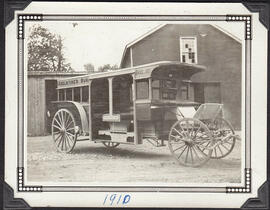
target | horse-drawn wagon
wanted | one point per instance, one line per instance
(152, 102)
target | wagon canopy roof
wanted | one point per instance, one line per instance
(140, 72)
(187, 69)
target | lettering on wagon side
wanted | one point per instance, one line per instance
(72, 82)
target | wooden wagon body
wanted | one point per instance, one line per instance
(128, 106)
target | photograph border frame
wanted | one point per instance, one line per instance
(262, 201)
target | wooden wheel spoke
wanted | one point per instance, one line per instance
(197, 131)
(224, 147)
(56, 132)
(68, 139)
(57, 137)
(182, 152)
(67, 119)
(70, 129)
(187, 154)
(57, 127)
(59, 117)
(70, 134)
(178, 132)
(215, 150)
(60, 141)
(220, 150)
(69, 124)
(62, 144)
(176, 137)
(179, 148)
(196, 152)
(206, 146)
(71, 139)
(59, 124)
(191, 155)
(62, 116)
(184, 132)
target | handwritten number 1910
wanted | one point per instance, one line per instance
(116, 199)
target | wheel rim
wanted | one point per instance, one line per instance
(223, 135)
(110, 144)
(187, 139)
(63, 131)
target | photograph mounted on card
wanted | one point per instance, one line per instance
(119, 104)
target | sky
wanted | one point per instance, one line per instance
(102, 42)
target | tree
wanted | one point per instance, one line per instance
(45, 51)
(89, 67)
(107, 67)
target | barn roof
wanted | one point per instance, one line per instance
(163, 25)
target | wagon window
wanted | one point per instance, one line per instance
(184, 91)
(77, 94)
(85, 93)
(69, 94)
(142, 88)
(61, 95)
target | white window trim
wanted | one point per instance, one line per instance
(195, 47)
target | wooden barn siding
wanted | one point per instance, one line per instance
(217, 51)
(36, 106)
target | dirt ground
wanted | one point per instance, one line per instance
(93, 162)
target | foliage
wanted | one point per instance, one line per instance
(89, 67)
(107, 67)
(45, 51)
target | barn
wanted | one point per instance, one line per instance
(41, 91)
(203, 44)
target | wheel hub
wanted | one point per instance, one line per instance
(189, 142)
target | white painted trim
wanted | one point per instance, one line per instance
(131, 57)
(139, 39)
(227, 33)
(195, 47)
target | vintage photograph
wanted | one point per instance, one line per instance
(135, 105)
(134, 102)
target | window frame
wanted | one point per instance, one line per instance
(195, 48)
(136, 86)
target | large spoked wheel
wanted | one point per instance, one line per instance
(224, 138)
(190, 142)
(110, 144)
(64, 131)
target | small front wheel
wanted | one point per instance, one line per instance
(190, 142)
(64, 131)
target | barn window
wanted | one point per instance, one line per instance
(188, 50)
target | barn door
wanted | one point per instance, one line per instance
(212, 92)
(199, 92)
(207, 92)
(50, 95)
